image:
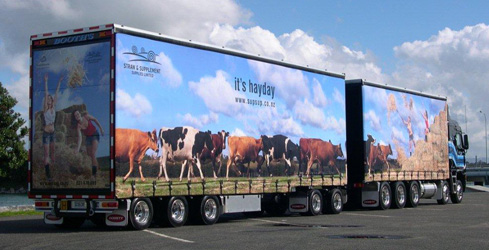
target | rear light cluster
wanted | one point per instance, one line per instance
(358, 185)
(43, 204)
(108, 204)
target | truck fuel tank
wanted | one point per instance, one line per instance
(428, 190)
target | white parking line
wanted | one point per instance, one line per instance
(168, 237)
(368, 215)
(270, 221)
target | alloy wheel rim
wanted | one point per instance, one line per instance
(141, 212)
(177, 210)
(210, 209)
(337, 202)
(401, 195)
(385, 195)
(316, 202)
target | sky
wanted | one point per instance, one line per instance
(438, 47)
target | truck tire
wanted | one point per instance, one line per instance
(209, 210)
(445, 193)
(141, 213)
(176, 211)
(385, 196)
(413, 194)
(315, 202)
(458, 196)
(399, 194)
(71, 222)
(333, 204)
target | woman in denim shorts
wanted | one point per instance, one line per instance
(49, 117)
(84, 124)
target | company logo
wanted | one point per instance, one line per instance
(369, 202)
(52, 217)
(74, 39)
(93, 57)
(298, 206)
(116, 218)
(42, 62)
(142, 55)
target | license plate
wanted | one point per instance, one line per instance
(78, 204)
(64, 205)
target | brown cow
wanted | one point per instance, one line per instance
(305, 150)
(219, 143)
(378, 155)
(132, 144)
(386, 151)
(324, 153)
(243, 149)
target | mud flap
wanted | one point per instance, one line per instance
(51, 219)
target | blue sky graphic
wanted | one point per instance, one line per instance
(195, 87)
(386, 125)
(95, 89)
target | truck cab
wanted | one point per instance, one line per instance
(458, 144)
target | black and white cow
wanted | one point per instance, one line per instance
(183, 144)
(279, 147)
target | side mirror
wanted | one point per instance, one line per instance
(466, 142)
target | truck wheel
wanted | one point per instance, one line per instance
(209, 210)
(445, 193)
(459, 193)
(385, 196)
(399, 194)
(71, 222)
(141, 213)
(334, 202)
(177, 211)
(315, 202)
(413, 194)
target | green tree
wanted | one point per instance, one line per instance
(13, 155)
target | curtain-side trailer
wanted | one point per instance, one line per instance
(119, 115)
(402, 147)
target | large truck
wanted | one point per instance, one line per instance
(212, 130)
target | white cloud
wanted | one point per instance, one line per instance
(201, 121)
(452, 63)
(237, 132)
(217, 94)
(177, 18)
(170, 74)
(271, 121)
(307, 113)
(373, 120)
(319, 98)
(20, 91)
(254, 40)
(290, 84)
(398, 135)
(338, 97)
(311, 115)
(135, 106)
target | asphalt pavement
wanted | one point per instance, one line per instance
(429, 226)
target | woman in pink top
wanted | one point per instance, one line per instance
(84, 124)
(49, 113)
